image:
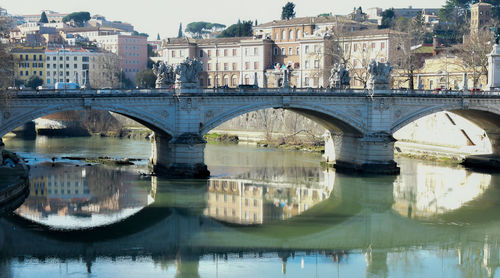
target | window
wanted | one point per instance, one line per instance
(40, 73)
(67, 73)
(382, 45)
(275, 51)
(85, 66)
(48, 73)
(355, 47)
(255, 65)
(306, 50)
(234, 66)
(67, 58)
(60, 58)
(234, 81)
(74, 58)
(283, 35)
(21, 57)
(316, 64)
(201, 53)
(283, 51)
(67, 66)
(246, 51)
(173, 53)
(234, 51)
(225, 52)
(21, 73)
(27, 73)
(255, 51)
(373, 45)
(247, 65)
(290, 52)
(209, 66)
(85, 59)
(306, 65)
(34, 57)
(299, 34)
(225, 66)
(217, 53)
(209, 81)
(35, 65)
(226, 83)
(306, 81)
(75, 66)
(290, 36)
(297, 50)
(209, 52)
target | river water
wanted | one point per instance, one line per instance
(263, 213)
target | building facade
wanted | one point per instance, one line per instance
(132, 52)
(28, 62)
(67, 65)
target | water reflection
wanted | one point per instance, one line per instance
(73, 197)
(425, 190)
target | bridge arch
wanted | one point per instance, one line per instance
(332, 120)
(143, 117)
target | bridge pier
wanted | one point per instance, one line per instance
(182, 156)
(373, 153)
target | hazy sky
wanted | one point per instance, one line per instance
(164, 16)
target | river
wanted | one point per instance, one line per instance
(264, 212)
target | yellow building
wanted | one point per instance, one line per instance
(29, 61)
(442, 72)
(481, 16)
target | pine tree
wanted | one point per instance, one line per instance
(180, 35)
(288, 11)
(158, 37)
(43, 18)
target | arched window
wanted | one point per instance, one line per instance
(291, 35)
(247, 80)
(210, 82)
(217, 81)
(226, 80)
(283, 35)
(299, 34)
(234, 81)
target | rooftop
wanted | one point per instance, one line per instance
(310, 20)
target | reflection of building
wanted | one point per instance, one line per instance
(430, 190)
(80, 192)
(244, 201)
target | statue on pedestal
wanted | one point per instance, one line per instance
(165, 76)
(380, 74)
(187, 73)
(339, 77)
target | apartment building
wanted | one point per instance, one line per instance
(226, 61)
(67, 64)
(132, 51)
(28, 62)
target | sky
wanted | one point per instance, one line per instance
(164, 16)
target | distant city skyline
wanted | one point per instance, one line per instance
(163, 17)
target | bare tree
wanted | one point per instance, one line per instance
(6, 61)
(473, 54)
(105, 70)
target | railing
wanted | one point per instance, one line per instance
(252, 91)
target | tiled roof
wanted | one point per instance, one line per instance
(28, 50)
(309, 21)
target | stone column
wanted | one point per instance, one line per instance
(182, 156)
(494, 69)
(373, 153)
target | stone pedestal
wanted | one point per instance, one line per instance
(494, 69)
(373, 153)
(181, 157)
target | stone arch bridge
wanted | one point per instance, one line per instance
(361, 122)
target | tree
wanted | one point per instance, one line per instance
(79, 18)
(6, 61)
(199, 28)
(473, 54)
(145, 79)
(240, 29)
(288, 11)
(179, 34)
(388, 18)
(158, 37)
(43, 18)
(33, 82)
